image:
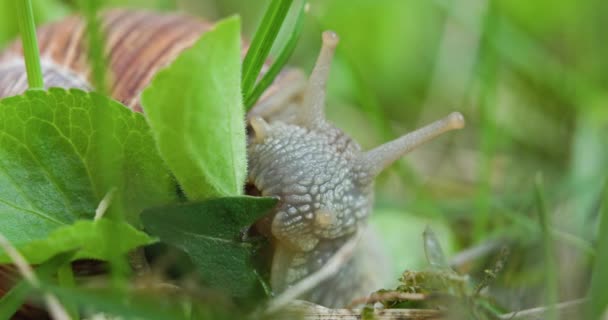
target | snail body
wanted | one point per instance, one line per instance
(322, 177)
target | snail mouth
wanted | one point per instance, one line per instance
(263, 225)
(252, 190)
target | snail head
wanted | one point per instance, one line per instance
(323, 180)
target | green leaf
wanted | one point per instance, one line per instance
(50, 161)
(196, 113)
(210, 233)
(598, 299)
(89, 237)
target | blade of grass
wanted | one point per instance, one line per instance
(280, 62)
(65, 278)
(31, 53)
(14, 299)
(487, 67)
(550, 272)
(263, 39)
(598, 299)
(95, 43)
(96, 57)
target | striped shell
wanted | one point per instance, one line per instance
(138, 44)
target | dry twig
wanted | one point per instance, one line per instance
(566, 310)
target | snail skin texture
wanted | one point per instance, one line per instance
(323, 180)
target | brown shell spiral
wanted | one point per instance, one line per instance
(138, 44)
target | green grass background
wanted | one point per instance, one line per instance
(531, 79)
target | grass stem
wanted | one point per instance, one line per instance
(551, 280)
(95, 44)
(261, 44)
(598, 299)
(280, 62)
(31, 53)
(65, 277)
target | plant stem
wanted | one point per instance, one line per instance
(262, 43)
(549, 257)
(598, 301)
(65, 277)
(12, 300)
(27, 28)
(96, 44)
(119, 267)
(280, 62)
(488, 69)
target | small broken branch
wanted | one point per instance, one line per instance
(565, 310)
(470, 254)
(309, 311)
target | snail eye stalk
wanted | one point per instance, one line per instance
(383, 156)
(312, 113)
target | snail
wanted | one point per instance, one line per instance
(322, 178)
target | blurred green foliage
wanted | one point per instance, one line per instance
(43, 11)
(531, 78)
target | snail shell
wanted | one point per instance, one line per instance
(138, 44)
